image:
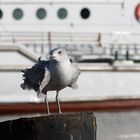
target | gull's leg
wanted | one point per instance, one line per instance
(58, 102)
(47, 104)
(39, 93)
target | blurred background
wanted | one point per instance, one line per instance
(101, 36)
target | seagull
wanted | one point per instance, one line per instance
(54, 74)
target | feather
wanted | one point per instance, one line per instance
(33, 76)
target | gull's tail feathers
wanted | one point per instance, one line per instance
(74, 86)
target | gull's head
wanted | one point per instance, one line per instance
(58, 55)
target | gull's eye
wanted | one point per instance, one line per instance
(60, 52)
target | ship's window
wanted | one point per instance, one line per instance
(137, 12)
(85, 13)
(17, 14)
(62, 13)
(1, 13)
(41, 13)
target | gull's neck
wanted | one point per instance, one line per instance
(63, 66)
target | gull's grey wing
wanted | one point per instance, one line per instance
(34, 76)
(46, 79)
(76, 73)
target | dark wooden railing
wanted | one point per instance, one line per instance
(66, 107)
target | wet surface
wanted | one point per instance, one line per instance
(118, 126)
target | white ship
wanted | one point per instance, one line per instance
(76, 25)
(92, 29)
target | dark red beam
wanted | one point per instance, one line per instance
(91, 106)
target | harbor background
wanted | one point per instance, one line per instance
(101, 37)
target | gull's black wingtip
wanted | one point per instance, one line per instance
(39, 59)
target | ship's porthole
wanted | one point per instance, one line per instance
(18, 14)
(85, 13)
(62, 13)
(1, 14)
(41, 13)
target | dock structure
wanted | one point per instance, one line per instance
(73, 126)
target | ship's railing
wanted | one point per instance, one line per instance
(119, 50)
(42, 42)
(77, 44)
(39, 37)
